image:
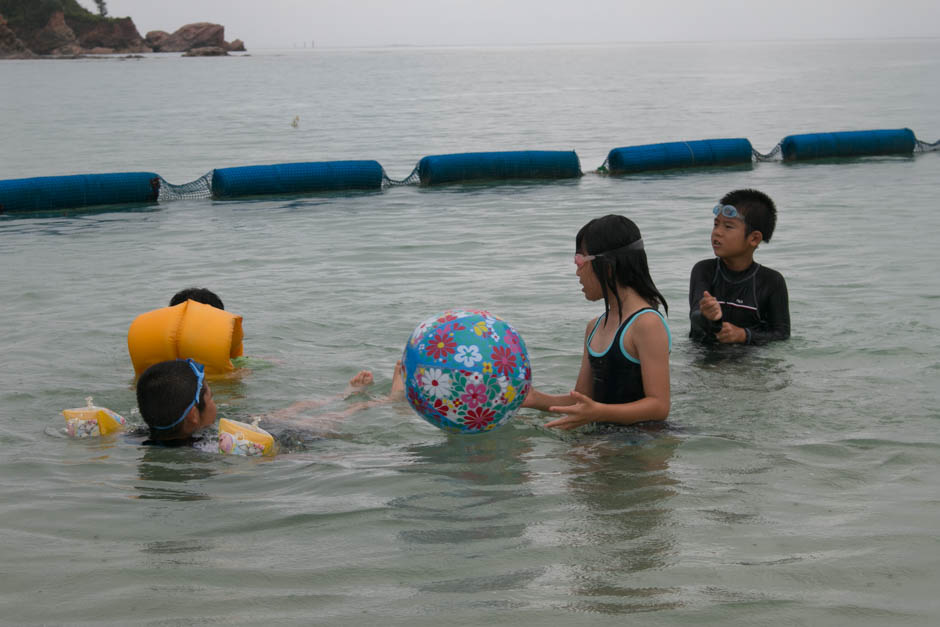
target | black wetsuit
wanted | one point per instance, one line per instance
(754, 299)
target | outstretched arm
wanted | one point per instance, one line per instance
(357, 383)
(537, 399)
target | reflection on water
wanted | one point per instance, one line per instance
(596, 524)
(487, 459)
(167, 470)
(620, 525)
(475, 519)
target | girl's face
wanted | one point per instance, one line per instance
(590, 285)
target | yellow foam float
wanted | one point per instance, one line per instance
(91, 421)
(241, 438)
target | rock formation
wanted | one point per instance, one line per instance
(189, 37)
(116, 35)
(54, 38)
(207, 51)
(31, 30)
(10, 45)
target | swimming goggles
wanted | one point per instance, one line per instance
(580, 259)
(200, 372)
(728, 211)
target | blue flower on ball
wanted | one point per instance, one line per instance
(466, 371)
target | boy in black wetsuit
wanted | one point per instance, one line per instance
(734, 300)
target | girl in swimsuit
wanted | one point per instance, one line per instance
(624, 376)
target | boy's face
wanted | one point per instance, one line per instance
(731, 239)
(208, 414)
(201, 419)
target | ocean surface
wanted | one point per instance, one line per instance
(797, 484)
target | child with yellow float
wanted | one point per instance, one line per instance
(176, 402)
(173, 350)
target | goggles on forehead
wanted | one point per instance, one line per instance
(200, 372)
(728, 211)
(580, 259)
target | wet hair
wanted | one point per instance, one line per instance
(620, 264)
(759, 211)
(164, 390)
(198, 294)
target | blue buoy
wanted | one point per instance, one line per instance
(296, 178)
(51, 193)
(498, 166)
(667, 156)
(848, 144)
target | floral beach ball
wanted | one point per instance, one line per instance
(466, 371)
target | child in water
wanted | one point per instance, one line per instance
(732, 299)
(624, 376)
(176, 402)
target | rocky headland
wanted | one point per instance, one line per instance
(31, 29)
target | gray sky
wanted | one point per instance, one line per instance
(290, 23)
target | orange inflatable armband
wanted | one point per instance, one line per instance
(189, 330)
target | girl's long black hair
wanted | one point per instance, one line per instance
(609, 236)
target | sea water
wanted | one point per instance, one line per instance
(796, 486)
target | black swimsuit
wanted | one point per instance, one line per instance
(618, 375)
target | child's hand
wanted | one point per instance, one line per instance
(361, 379)
(731, 334)
(709, 307)
(398, 382)
(582, 412)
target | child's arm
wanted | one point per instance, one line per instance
(537, 399)
(776, 308)
(702, 305)
(357, 383)
(651, 342)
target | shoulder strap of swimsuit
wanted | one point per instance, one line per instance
(587, 342)
(630, 321)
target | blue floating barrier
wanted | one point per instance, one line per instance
(495, 166)
(296, 178)
(51, 193)
(670, 155)
(848, 144)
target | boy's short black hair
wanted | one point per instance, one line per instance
(164, 390)
(198, 294)
(759, 211)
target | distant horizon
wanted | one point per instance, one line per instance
(592, 43)
(281, 24)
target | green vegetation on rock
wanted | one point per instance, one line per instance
(34, 14)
